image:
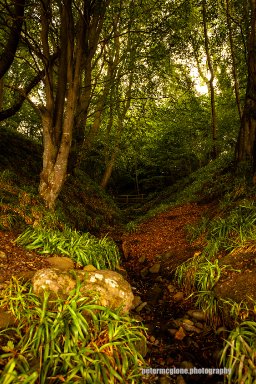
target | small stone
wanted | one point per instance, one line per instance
(89, 268)
(187, 321)
(171, 288)
(136, 301)
(144, 272)
(199, 325)
(179, 296)
(155, 268)
(172, 331)
(61, 262)
(191, 328)
(180, 334)
(142, 259)
(141, 306)
(3, 255)
(197, 315)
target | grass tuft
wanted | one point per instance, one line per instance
(71, 340)
(239, 355)
(83, 248)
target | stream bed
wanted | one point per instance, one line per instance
(179, 337)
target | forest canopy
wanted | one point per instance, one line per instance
(137, 92)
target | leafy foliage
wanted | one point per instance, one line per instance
(239, 353)
(71, 340)
(82, 205)
(82, 248)
(229, 232)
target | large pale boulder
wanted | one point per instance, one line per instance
(113, 290)
(59, 283)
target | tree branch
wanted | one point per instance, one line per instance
(8, 54)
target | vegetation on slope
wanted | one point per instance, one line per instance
(82, 204)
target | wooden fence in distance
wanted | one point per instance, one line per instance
(130, 199)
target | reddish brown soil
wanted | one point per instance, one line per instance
(15, 260)
(164, 237)
(165, 234)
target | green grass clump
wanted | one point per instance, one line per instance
(239, 354)
(83, 248)
(229, 232)
(131, 227)
(203, 274)
(72, 340)
(198, 277)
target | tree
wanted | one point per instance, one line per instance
(211, 82)
(233, 57)
(8, 53)
(11, 35)
(78, 24)
(246, 144)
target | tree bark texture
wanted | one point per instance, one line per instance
(233, 57)
(62, 84)
(246, 144)
(211, 82)
(10, 48)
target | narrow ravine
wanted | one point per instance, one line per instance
(178, 335)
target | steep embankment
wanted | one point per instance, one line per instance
(82, 204)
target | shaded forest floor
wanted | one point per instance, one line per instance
(151, 253)
(165, 235)
(159, 241)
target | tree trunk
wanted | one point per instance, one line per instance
(109, 168)
(10, 48)
(211, 83)
(1, 92)
(246, 144)
(233, 57)
(62, 85)
(55, 157)
(58, 115)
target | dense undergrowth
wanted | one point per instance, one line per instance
(82, 204)
(72, 340)
(82, 248)
(220, 182)
(84, 207)
(232, 228)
